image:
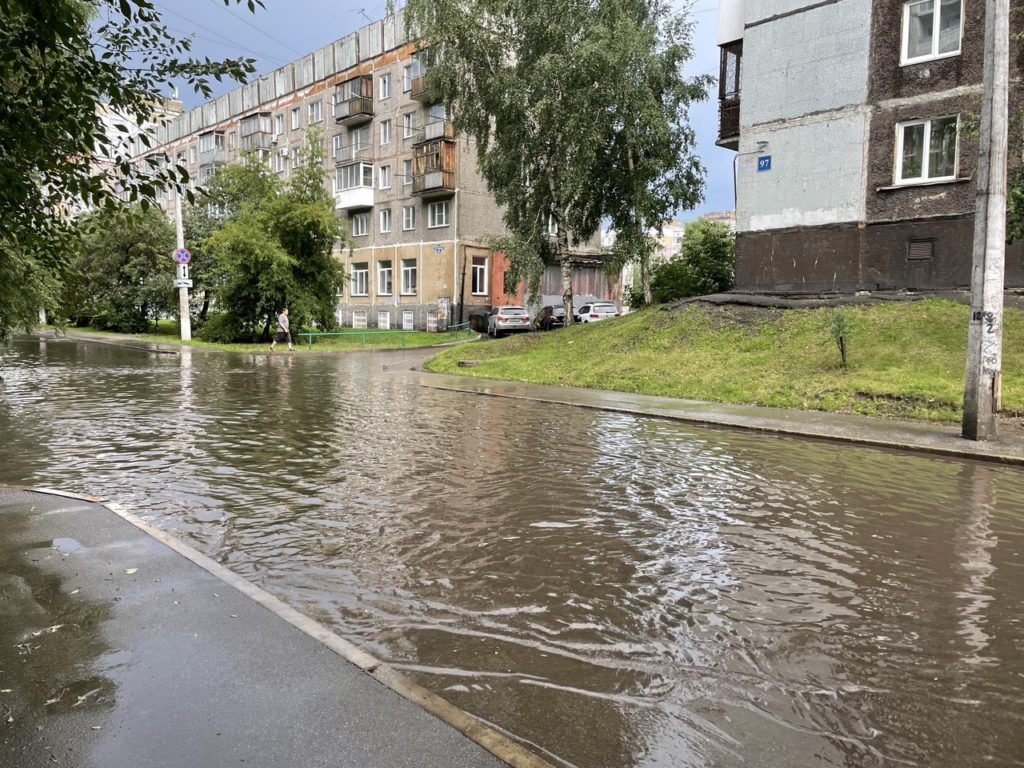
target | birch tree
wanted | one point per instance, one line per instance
(578, 111)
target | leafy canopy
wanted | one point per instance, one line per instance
(60, 60)
(578, 110)
(705, 264)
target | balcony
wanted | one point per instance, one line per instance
(420, 92)
(354, 199)
(256, 141)
(729, 122)
(217, 156)
(353, 101)
(346, 154)
(439, 129)
(433, 184)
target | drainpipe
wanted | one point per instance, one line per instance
(761, 147)
(455, 252)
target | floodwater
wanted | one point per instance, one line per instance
(610, 590)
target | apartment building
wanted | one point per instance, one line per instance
(855, 168)
(418, 212)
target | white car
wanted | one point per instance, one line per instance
(598, 310)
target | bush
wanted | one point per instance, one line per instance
(706, 263)
(220, 328)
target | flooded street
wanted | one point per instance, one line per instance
(610, 590)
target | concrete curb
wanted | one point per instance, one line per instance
(818, 432)
(498, 744)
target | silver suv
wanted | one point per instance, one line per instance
(507, 318)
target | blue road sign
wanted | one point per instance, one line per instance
(182, 256)
(764, 163)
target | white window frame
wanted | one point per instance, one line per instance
(385, 132)
(360, 224)
(432, 214)
(384, 320)
(384, 219)
(905, 37)
(232, 140)
(408, 320)
(278, 125)
(336, 147)
(296, 118)
(408, 218)
(360, 279)
(360, 176)
(407, 77)
(408, 125)
(406, 172)
(384, 86)
(315, 111)
(280, 160)
(359, 318)
(384, 177)
(409, 267)
(926, 150)
(483, 278)
(389, 271)
(552, 226)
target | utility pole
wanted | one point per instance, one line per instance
(184, 320)
(985, 328)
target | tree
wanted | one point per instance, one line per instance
(121, 274)
(59, 61)
(272, 245)
(705, 264)
(577, 110)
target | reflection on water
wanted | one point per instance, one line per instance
(613, 591)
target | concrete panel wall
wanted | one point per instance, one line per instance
(345, 54)
(808, 62)
(371, 38)
(817, 174)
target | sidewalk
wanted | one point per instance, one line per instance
(122, 647)
(942, 439)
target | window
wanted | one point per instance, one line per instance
(384, 320)
(385, 132)
(358, 318)
(296, 118)
(316, 111)
(931, 30)
(408, 320)
(352, 176)
(552, 226)
(280, 160)
(360, 138)
(385, 220)
(408, 277)
(385, 177)
(336, 146)
(479, 286)
(232, 140)
(385, 86)
(926, 150)
(437, 215)
(360, 279)
(360, 224)
(278, 125)
(407, 79)
(383, 278)
(192, 153)
(408, 124)
(408, 217)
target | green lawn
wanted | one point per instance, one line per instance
(905, 359)
(167, 333)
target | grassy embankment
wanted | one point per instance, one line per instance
(905, 359)
(167, 333)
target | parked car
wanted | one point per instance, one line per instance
(552, 316)
(599, 310)
(507, 318)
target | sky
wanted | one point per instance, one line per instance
(285, 30)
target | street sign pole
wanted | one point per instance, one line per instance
(184, 319)
(985, 328)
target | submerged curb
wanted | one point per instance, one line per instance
(498, 744)
(931, 442)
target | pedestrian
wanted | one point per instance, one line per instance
(283, 334)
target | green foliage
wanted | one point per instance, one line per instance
(121, 275)
(219, 328)
(839, 325)
(705, 264)
(577, 110)
(59, 61)
(269, 244)
(912, 368)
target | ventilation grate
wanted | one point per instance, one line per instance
(920, 250)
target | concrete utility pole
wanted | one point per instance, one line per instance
(184, 319)
(984, 335)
